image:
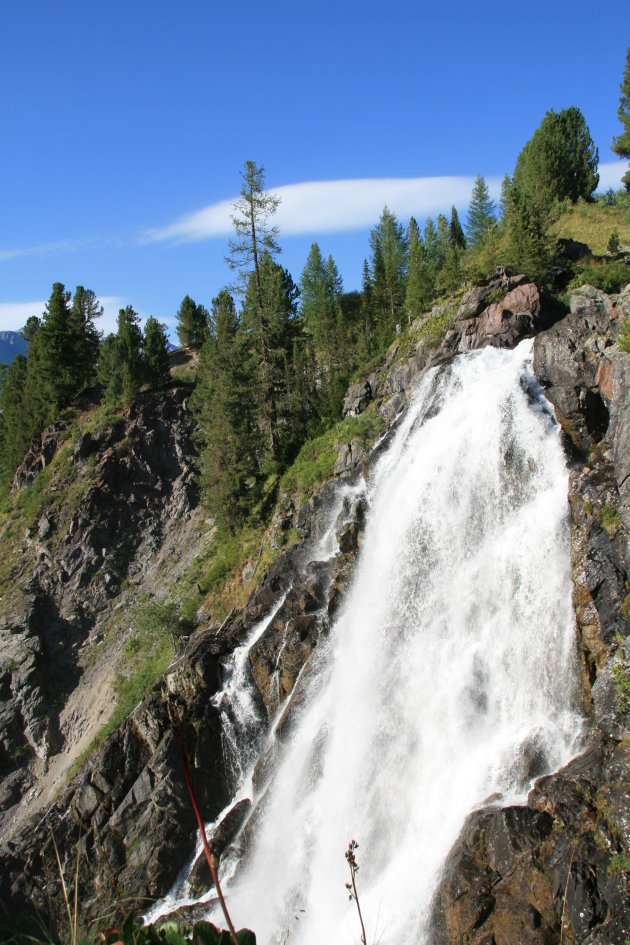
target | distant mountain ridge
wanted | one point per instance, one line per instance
(11, 344)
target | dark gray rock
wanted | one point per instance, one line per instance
(200, 877)
(572, 361)
(357, 399)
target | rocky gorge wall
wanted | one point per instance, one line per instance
(505, 880)
(557, 868)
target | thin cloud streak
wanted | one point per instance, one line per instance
(41, 250)
(343, 205)
(331, 206)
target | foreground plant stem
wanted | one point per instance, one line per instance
(352, 887)
(213, 861)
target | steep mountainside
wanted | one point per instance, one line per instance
(516, 873)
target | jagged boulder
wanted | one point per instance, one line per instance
(357, 398)
(537, 873)
(502, 323)
(574, 361)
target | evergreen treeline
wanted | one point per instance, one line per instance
(275, 356)
(65, 356)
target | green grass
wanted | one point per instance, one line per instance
(594, 223)
(156, 626)
(435, 327)
(314, 463)
(620, 863)
(608, 517)
(622, 687)
(624, 336)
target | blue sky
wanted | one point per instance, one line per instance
(121, 123)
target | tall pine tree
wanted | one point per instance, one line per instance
(227, 413)
(389, 268)
(481, 213)
(156, 366)
(192, 323)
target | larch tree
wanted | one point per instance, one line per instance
(254, 235)
(621, 144)
(389, 267)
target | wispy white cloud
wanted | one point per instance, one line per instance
(41, 250)
(339, 205)
(332, 206)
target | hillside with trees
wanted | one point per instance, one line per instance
(106, 451)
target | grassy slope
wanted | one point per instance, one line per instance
(593, 224)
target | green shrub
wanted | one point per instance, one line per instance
(622, 687)
(620, 863)
(608, 517)
(609, 275)
(315, 461)
(624, 336)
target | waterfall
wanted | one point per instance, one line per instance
(449, 677)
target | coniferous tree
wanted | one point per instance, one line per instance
(430, 241)
(559, 161)
(155, 354)
(278, 295)
(15, 420)
(255, 235)
(506, 184)
(57, 341)
(316, 302)
(120, 362)
(481, 215)
(529, 244)
(367, 310)
(418, 292)
(130, 341)
(85, 335)
(443, 240)
(458, 240)
(389, 268)
(621, 144)
(379, 292)
(321, 290)
(110, 370)
(192, 323)
(227, 413)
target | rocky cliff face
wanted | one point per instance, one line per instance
(558, 868)
(130, 489)
(515, 873)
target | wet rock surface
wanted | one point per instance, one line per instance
(557, 868)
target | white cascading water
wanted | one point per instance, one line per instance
(449, 676)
